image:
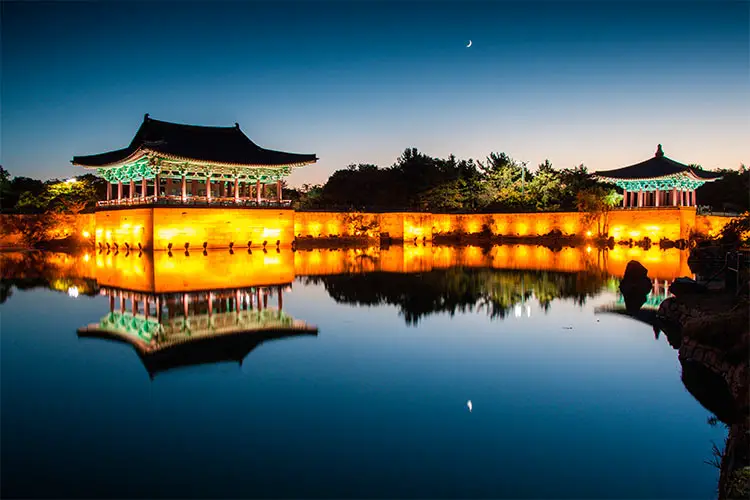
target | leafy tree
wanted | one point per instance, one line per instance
(17, 186)
(596, 202)
(4, 180)
(545, 189)
(61, 197)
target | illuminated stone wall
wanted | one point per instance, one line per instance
(335, 224)
(672, 223)
(156, 228)
(219, 227)
(131, 226)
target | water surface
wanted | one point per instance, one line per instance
(568, 400)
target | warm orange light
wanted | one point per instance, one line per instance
(271, 233)
(588, 233)
(86, 234)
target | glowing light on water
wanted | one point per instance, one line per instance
(73, 292)
(469, 405)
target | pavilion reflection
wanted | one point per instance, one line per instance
(170, 330)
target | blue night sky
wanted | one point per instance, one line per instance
(593, 83)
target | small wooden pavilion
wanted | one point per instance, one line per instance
(172, 163)
(658, 182)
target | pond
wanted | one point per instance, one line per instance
(344, 373)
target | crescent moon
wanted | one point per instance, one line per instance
(469, 44)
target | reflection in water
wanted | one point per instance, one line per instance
(186, 310)
(180, 329)
(419, 279)
(461, 289)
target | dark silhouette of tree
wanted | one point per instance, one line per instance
(731, 193)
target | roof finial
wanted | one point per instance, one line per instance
(145, 117)
(236, 125)
(659, 152)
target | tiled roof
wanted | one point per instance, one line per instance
(223, 145)
(656, 167)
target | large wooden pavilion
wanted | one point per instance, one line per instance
(657, 182)
(176, 329)
(171, 163)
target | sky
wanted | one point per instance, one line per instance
(358, 82)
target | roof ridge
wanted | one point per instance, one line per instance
(187, 125)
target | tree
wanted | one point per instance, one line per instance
(4, 181)
(545, 189)
(17, 186)
(596, 202)
(504, 182)
(731, 193)
(69, 197)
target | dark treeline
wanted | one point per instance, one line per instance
(415, 182)
(498, 184)
(24, 195)
(422, 183)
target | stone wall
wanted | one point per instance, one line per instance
(156, 227)
(672, 223)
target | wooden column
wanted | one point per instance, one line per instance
(640, 198)
(208, 189)
(656, 198)
(119, 190)
(157, 186)
(624, 198)
(109, 190)
(674, 197)
(132, 188)
(257, 191)
(278, 191)
(144, 187)
(692, 196)
(184, 189)
(236, 190)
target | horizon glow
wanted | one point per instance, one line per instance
(598, 84)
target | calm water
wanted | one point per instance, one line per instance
(568, 401)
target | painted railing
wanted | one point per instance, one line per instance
(202, 201)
